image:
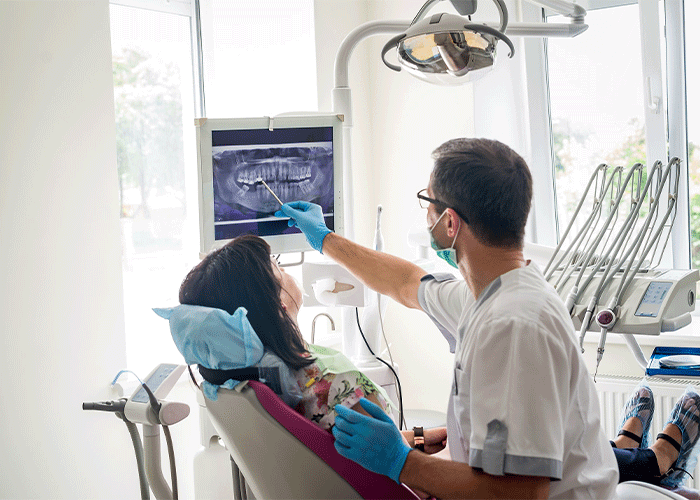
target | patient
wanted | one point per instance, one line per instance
(242, 274)
(669, 461)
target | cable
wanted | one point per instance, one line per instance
(171, 456)
(194, 381)
(381, 324)
(138, 449)
(402, 421)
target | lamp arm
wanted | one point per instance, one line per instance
(503, 12)
(342, 57)
(562, 7)
(426, 6)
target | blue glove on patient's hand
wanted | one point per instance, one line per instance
(374, 443)
(309, 218)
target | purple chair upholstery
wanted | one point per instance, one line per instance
(368, 484)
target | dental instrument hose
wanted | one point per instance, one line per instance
(118, 408)
(402, 421)
(156, 406)
(138, 449)
(171, 457)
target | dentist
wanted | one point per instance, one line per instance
(523, 417)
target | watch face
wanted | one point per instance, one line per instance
(418, 438)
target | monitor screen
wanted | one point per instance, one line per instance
(296, 157)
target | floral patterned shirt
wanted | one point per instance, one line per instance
(320, 393)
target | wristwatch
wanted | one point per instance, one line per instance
(418, 439)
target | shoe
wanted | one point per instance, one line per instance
(640, 405)
(685, 416)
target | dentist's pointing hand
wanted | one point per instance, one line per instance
(309, 218)
(373, 442)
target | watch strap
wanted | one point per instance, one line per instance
(418, 439)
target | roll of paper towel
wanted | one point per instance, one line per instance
(329, 292)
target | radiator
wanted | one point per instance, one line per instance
(613, 392)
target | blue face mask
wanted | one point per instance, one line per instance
(449, 255)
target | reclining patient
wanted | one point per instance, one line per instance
(239, 309)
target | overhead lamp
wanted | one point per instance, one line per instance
(449, 49)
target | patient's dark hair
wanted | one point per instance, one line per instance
(240, 274)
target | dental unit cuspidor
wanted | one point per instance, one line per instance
(610, 270)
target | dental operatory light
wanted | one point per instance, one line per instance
(449, 49)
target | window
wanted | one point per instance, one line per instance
(625, 102)
(633, 56)
(596, 99)
(259, 59)
(692, 40)
(154, 105)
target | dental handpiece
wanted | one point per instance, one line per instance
(601, 346)
(601, 350)
(605, 319)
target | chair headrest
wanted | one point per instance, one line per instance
(214, 339)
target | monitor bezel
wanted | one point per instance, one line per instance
(287, 243)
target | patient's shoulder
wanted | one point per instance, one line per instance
(322, 392)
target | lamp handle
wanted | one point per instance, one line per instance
(389, 45)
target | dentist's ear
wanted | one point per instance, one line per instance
(454, 222)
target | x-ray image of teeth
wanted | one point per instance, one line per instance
(293, 172)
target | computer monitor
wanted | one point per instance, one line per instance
(299, 157)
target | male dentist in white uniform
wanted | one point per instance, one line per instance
(523, 416)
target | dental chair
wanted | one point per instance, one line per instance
(283, 455)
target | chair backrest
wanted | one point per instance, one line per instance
(282, 455)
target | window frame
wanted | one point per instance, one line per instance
(665, 128)
(189, 10)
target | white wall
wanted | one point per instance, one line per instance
(398, 121)
(61, 318)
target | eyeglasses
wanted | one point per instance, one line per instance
(425, 202)
(275, 260)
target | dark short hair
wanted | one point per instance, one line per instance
(240, 274)
(488, 183)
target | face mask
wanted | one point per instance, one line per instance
(449, 255)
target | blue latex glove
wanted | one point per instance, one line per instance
(374, 443)
(309, 218)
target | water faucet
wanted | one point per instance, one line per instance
(313, 324)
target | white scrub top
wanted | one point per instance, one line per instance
(522, 399)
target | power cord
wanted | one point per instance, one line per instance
(402, 421)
